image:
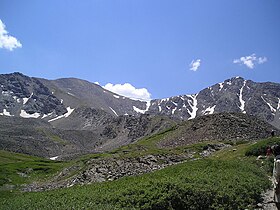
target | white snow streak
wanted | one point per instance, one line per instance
(114, 111)
(69, 111)
(159, 108)
(26, 99)
(67, 114)
(193, 105)
(209, 110)
(242, 102)
(71, 94)
(24, 114)
(46, 115)
(278, 106)
(271, 107)
(116, 96)
(56, 118)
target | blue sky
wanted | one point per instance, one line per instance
(149, 44)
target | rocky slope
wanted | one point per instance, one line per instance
(232, 95)
(40, 138)
(218, 127)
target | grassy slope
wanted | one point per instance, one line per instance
(227, 180)
(16, 169)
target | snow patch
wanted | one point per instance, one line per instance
(221, 84)
(26, 99)
(6, 113)
(242, 102)
(209, 110)
(61, 101)
(24, 114)
(69, 111)
(54, 158)
(114, 111)
(148, 104)
(6, 93)
(67, 114)
(159, 108)
(193, 104)
(116, 96)
(278, 106)
(173, 110)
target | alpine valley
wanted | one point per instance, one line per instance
(65, 132)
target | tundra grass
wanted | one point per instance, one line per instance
(17, 169)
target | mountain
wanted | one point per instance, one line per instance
(70, 116)
(56, 100)
(232, 95)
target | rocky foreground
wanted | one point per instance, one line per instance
(109, 169)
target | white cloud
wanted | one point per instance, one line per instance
(262, 60)
(6, 41)
(250, 61)
(194, 65)
(129, 91)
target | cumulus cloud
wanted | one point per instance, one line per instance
(6, 41)
(194, 65)
(129, 91)
(250, 61)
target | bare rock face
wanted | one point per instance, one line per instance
(24, 96)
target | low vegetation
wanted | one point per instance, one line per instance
(201, 184)
(226, 180)
(17, 169)
(260, 147)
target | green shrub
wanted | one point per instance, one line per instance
(201, 184)
(260, 147)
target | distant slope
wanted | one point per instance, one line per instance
(76, 92)
(40, 138)
(217, 127)
(37, 137)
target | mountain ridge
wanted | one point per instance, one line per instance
(55, 100)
